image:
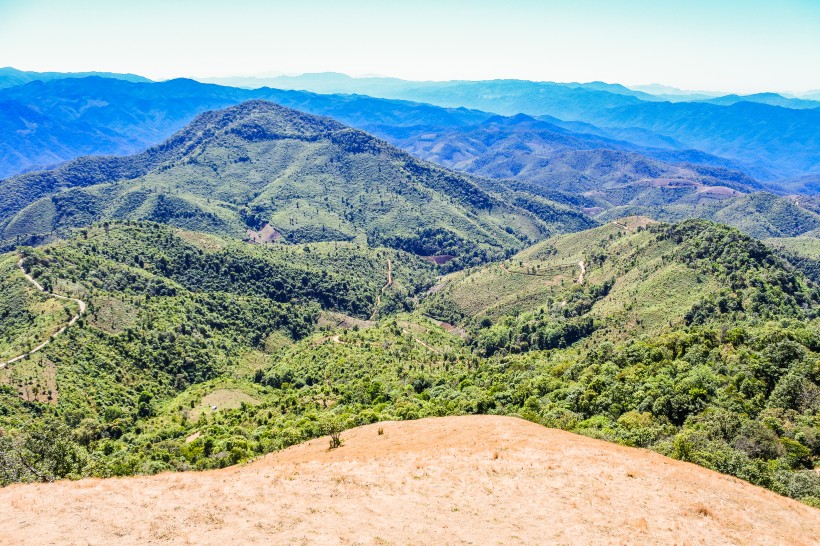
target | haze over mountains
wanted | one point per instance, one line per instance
(616, 109)
(596, 170)
(765, 141)
(554, 172)
(10, 77)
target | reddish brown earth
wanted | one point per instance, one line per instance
(266, 235)
(453, 480)
(440, 260)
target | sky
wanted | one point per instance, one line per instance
(740, 46)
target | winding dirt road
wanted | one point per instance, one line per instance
(74, 319)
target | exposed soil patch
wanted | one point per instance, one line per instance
(339, 320)
(452, 480)
(460, 332)
(440, 260)
(265, 235)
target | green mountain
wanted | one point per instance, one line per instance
(308, 178)
(627, 278)
(46, 123)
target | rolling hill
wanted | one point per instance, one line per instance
(760, 214)
(629, 277)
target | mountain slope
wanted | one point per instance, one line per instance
(802, 252)
(444, 480)
(629, 277)
(310, 178)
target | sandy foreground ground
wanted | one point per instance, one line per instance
(453, 480)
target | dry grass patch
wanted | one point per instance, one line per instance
(221, 399)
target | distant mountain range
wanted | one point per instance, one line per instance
(767, 136)
(541, 153)
(578, 164)
(10, 77)
(763, 132)
(47, 123)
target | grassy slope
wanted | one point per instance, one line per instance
(546, 274)
(804, 246)
(802, 252)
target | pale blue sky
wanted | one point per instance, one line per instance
(732, 45)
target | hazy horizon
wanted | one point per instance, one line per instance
(735, 47)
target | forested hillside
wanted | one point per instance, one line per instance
(200, 352)
(630, 277)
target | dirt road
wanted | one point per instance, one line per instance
(385, 287)
(74, 319)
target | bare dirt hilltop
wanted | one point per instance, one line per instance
(453, 480)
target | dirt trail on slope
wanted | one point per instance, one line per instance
(451, 480)
(74, 319)
(385, 287)
(583, 267)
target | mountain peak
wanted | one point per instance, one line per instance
(308, 177)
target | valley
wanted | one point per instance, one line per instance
(198, 352)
